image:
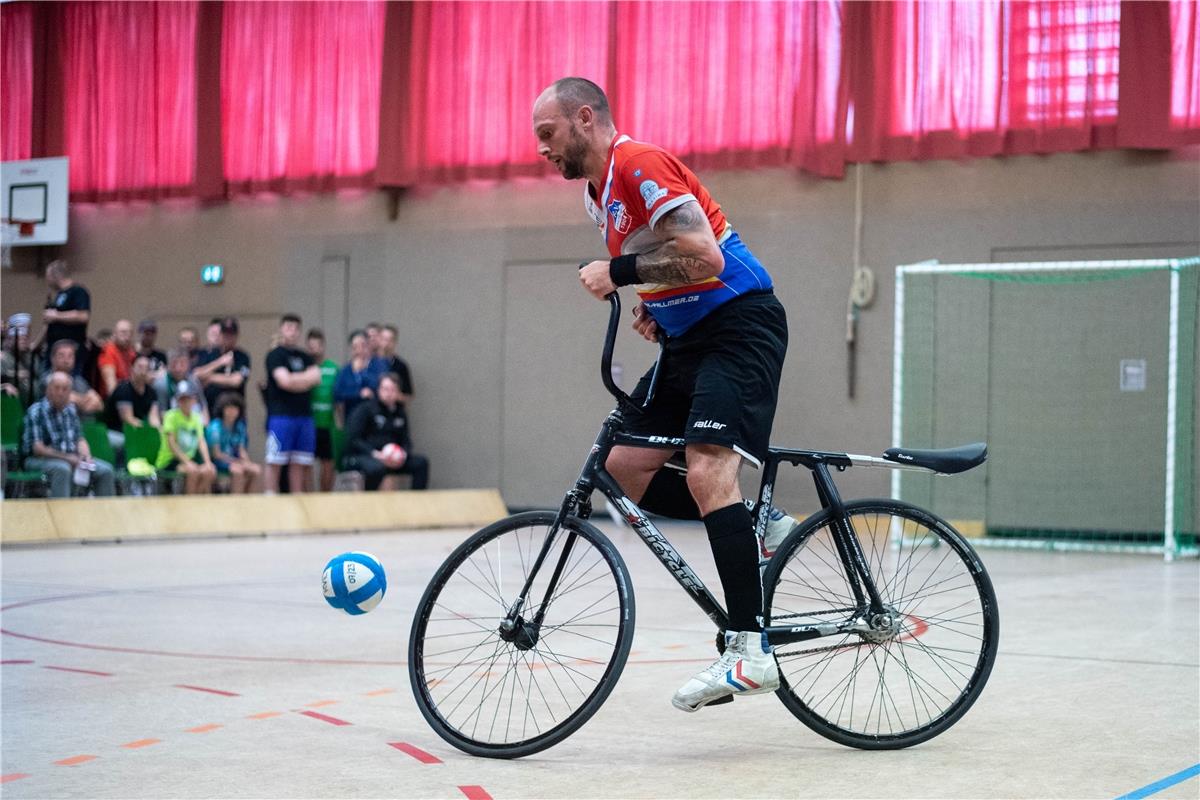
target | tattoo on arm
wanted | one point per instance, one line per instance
(665, 264)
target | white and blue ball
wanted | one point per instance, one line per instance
(354, 582)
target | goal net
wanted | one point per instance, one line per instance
(1080, 376)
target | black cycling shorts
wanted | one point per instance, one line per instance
(719, 382)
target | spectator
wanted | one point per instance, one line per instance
(117, 357)
(212, 335)
(183, 447)
(187, 342)
(62, 359)
(225, 368)
(68, 308)
(227, 442)
(374, 425)
(55, 444)
(134, 403)
(19, 370)
(359, 377)
(322, 407)
(147, 333)
(166, 384)
(388, 336)
(291, 435)
(371, 329)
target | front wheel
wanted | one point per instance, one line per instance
(906, 674)
(506, 694)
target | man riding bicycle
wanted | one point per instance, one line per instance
(726, 337)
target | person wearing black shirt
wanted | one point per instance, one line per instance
(291, 433)
(134, 402)
(387, 351)
(147, 333)
(225, 368)
(68, 310)
(377, 439)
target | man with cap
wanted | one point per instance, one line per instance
(183, 447)
(147, 333)
(226, 368)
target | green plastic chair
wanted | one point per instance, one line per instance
(95, 433)
(17, 482)
(144, 442)
(12, 414)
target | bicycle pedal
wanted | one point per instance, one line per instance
(720, 700)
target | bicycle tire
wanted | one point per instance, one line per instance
(475, 573)
(950, 627)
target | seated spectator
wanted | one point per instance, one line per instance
(388, 336)
(188, 342)
(55, 445)
(183, 447)
(62, 359)
(375, 425)
(116, 358)
(225, 368)
(227, 441)
(322, 408)
(178, 370)
(20, 372)
(147, 334)
(134, 403)
(359, 377)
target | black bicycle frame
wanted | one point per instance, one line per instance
(594, 476)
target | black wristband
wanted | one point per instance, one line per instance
(622, 270)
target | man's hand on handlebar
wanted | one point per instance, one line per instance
(644, 324)
(594, 277)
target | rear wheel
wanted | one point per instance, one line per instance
(907, 674)
(505, 694)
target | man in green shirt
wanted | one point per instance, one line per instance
(322, 407)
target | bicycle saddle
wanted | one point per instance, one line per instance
(948, 461)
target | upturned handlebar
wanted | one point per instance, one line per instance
(610, 338)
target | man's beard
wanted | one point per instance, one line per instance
(573, 156)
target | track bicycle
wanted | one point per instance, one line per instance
(883, 618)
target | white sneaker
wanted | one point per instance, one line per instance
(747, 667)
(779, 525)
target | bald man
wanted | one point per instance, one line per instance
(54, 441)
(726, 337)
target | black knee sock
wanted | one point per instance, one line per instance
(731, 536)
(668, 495)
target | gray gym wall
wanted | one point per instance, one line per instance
(504, 345)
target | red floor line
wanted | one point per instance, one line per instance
(13, 776)
(83, 671)
(416, 752)
(16, 661)
(475, 793)
(324, 718)
(205, 689)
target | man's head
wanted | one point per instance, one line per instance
(389, 389)
(212, 334)
(58, 274)
(289, 330)
(179, 361)
(147, 333)
(372, 329)
(123, 334)
(228, 333)
(62, 356)
(387, 340)
(315, 340)
(359, 344)
(139, 373)
(58, 389)
(188, 338)
(572, 123)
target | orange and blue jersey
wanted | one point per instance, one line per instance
(643, 183)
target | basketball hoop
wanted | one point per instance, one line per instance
(24, 226)
(14, 229)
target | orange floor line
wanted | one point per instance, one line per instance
(73, 760)
(266, 715)
(321, 703)
(204, 728)
(378, 692)
(140, 743)
(13, 776)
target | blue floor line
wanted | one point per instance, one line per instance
(1158, 786)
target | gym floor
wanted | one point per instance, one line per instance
(213, 668)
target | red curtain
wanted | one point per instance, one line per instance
(16, 44)
(300, 93)
(1185, 66)
(471, 73)
(130, 98)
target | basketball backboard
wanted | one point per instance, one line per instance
(33, 202)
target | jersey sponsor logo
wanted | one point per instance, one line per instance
(708, 423)
(651, 193)
(596, 214)
(620, 218)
